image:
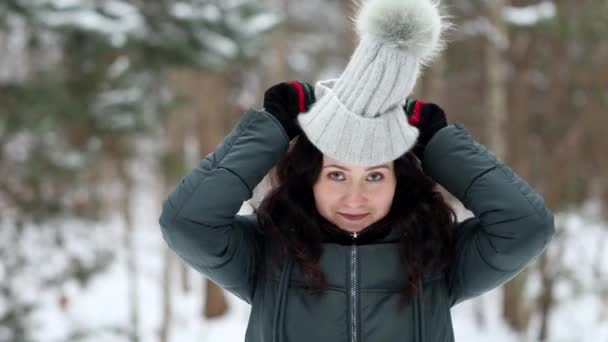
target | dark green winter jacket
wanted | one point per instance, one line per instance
(510, 227)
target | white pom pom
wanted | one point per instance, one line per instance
(415, 26)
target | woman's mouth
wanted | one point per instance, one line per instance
(353, 217)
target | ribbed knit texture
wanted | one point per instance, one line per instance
(358, 118)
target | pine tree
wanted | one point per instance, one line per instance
(81, 82)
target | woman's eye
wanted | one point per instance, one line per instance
(375, 177)
(331, 174)
(379, 176)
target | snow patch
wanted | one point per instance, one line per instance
(530, 15)
(115, 19)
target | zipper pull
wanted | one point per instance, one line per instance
(354, 235)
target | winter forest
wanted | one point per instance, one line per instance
(106, 104)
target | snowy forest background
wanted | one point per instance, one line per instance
(106, 104)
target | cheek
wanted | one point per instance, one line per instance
(324, 196)
(385, 196)
(387, 201)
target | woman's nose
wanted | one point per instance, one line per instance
(355, 195)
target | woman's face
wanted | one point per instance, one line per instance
(344, 189)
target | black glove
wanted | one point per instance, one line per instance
(286, 100)
(429, 118)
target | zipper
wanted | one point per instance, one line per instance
(421, 312)
(353, 288)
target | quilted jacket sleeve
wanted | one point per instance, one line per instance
(199, 218)
(511, 225)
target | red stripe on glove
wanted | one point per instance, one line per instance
(300, 90)
(415, 118)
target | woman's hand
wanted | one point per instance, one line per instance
(286, 100)
(429, 118)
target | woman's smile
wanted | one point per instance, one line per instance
(354, 217)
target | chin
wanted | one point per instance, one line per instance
(357, 227)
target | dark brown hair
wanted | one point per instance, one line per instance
(419, 212)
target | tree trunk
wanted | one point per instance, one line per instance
(203, 126)
(520, 122)
(177, 124)
(132, 270)
(276, 66)
(211, 129)
(549, 263)
(185, 279)
(515, 312)
(432, 84)
(547, 298)
(167, 314)
(215, 302)
(495, 71)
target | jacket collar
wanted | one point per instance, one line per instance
(378, 232)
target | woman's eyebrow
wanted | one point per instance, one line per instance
(347, 169)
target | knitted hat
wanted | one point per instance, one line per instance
(358, 117)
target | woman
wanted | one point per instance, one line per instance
(354, 243)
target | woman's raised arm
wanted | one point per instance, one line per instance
(199, 217)
(511, 226)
